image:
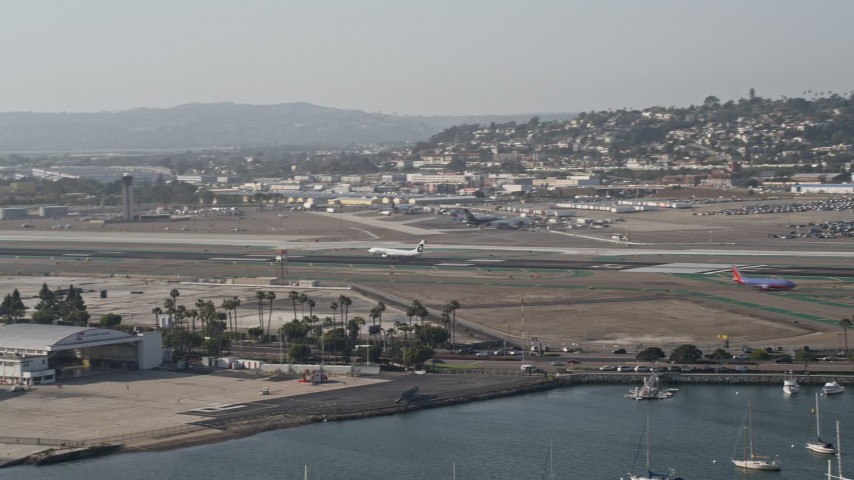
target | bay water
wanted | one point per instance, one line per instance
(592, 432)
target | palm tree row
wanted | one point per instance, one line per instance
(338, 332)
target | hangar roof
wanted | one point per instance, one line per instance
(47, 338)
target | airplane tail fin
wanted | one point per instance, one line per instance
(420, 247)
(469, 216)
(736, 276)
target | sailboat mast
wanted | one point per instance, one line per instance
(817, 418)
(647, 443)
(838, 450)
(750, 427)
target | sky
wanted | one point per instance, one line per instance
(418, 57)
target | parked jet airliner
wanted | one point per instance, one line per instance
(762, 283)
(479, 220)
(398, 253)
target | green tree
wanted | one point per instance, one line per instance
(255, 333)
(432, 335)
(760, 355)
(805, 357)
(335, 340)
(110, 320)
(295, 331)
(719, 355)
(417, 354)
(299, 352)
(686, 354)
(650, 354)
(12, 307)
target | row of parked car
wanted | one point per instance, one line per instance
(674, 368)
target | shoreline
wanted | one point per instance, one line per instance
(233, 429)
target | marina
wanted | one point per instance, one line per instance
(507, 438)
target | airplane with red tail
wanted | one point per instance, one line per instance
(763, 284)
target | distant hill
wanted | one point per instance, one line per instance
(223, 125)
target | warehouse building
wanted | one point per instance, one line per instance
(32, 354)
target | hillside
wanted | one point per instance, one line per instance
(220, 125)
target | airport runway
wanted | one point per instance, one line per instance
(429, 261)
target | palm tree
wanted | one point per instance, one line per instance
(157, 312)
(345, 302)
(174, 294)
(421, 312)
(193, 314)
(259, 298)
(377, 312)
(227, 306)
(293, 295)
(452, 307)
(334, 307)
(234, 305)
(845, 323)
(311, 305)
(270, 297)
(302, 299)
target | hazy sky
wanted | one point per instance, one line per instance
(418, 57)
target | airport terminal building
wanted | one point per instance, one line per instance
(33, 354)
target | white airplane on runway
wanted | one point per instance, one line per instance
(398, 253)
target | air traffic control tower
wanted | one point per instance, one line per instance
(127, 197)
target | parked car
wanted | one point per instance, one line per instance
(608, 368)
(558, 363)
(741, 368)
(573, 361)
(643, 368)
(624, 368)
(829, 358)
(481, 354)
(741, 356)
(499, 352)
(786, 359)
(619, 351)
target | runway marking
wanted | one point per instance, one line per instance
(76, 254)
(485, 260)
(216, 408)
(454, 265)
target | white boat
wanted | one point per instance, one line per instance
(790, 385)
(650, 475)
(818, 445)
(651, 390)
(750, 460)
(831, 388)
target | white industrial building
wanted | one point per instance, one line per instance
(32, 354)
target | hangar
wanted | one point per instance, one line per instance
(32, 354)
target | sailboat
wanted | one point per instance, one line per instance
(819, 445)
(650, 475)
(838, 476)
(751, 460)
